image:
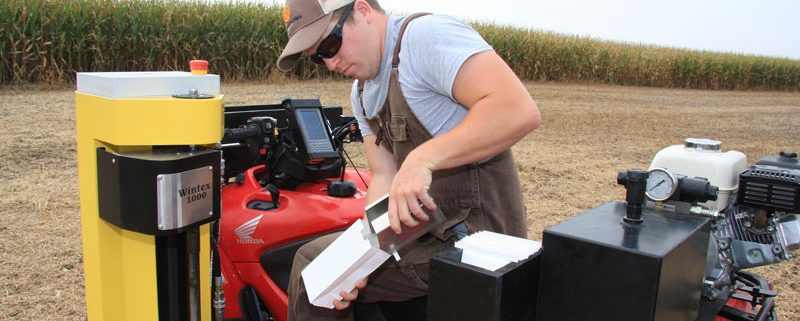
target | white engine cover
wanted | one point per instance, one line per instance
(700, 157)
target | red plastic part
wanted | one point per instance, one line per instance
(229, 287)
(737, 304)
(303, 213)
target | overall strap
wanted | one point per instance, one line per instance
(376, 124)
(396, 56)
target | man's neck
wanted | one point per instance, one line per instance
(381, 24)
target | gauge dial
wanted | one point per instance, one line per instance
(661, 184)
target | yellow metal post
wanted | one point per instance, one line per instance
(120, 265)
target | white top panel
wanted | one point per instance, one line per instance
(145, 84)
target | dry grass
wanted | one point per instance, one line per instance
(567, 166)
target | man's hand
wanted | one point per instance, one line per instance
(348, 297)
(409, 192)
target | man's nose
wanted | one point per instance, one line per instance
(331, 63)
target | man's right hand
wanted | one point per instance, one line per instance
(348, 297)
(409, 193)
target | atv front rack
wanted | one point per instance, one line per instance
(752, 300)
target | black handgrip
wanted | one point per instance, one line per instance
(241, 133)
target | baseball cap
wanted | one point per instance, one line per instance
(305, 22)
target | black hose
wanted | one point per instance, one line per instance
(216, 270)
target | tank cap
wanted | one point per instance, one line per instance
(703, 144)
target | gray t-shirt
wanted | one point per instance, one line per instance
(434, 48)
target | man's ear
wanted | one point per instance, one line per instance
(362, 9)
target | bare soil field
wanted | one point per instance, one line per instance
(567, 166)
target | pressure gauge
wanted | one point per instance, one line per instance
(661, 184)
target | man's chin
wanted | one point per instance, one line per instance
(364, 78)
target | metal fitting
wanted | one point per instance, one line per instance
(219, 299)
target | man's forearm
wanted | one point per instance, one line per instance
(381, 163)
(478, 137)
(378, 186)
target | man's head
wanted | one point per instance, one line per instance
(317, 27)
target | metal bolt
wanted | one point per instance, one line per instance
(771, 228)
(160, 226)
(211, 213)
(210, 168)
(113, 161)
(160, 177)
(748, 224)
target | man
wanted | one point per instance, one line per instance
(438, 119)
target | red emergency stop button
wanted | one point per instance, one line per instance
(198, 67)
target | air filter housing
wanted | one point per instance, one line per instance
(772, 184)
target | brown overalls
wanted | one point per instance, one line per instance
(485, 196)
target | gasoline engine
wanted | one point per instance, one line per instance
(760, 228)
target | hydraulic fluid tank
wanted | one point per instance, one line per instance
(597, 266)
(700, 157)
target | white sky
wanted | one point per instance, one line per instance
(761, 27)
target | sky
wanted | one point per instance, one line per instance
(759, 27)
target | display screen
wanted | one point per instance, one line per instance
(312, 122)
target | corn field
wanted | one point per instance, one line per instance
(552, 57)
(48, 41)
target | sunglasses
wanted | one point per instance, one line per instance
(330, 46)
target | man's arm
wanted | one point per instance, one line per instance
(381, 163)
(501, 112)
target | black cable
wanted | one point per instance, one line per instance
(344, 162)
(356, 168)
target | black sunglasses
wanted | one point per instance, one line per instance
(329, 46)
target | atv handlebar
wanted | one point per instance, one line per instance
(256, 127)
(241, 133)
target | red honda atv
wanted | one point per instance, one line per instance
(286, 183)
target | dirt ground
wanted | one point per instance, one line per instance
(567, 166)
